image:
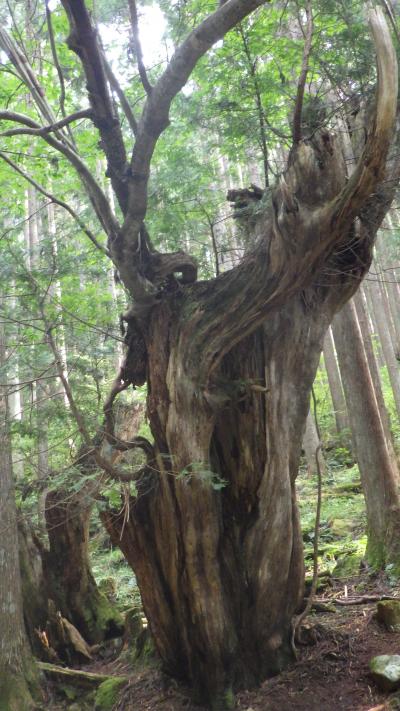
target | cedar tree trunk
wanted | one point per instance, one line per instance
(378, 469)
(18, 676)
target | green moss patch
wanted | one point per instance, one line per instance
(107, 693)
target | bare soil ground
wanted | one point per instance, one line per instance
(331, 673)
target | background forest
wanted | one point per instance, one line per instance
(64, 330)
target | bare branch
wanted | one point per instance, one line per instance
(155, 117)
(55, 200)
(102, 462)
(117, 387)
(27, 75)
(137, 47)
(56, 62)
(84, 113)
(84, 42)
(303, 76)
(115, 85)
(95, 193)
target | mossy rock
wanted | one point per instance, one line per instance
(340, 527)
(385, 670)
(347, 565)
(388, 614)
(107, 693)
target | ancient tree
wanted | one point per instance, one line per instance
(228, 362)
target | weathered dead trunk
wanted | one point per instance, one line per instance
(34, 596)
(68, 578)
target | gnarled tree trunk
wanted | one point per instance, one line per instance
(221, 571)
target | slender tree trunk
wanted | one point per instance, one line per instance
(17, 673)
(377, 469)
(386, 305)
(40, 392)
(312, 447)
(335, 384)
(374, 326)
(15, 399)
(394, 300)
(385, 339)
(364, 324)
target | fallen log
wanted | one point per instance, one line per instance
(362, 599)
(75, 677)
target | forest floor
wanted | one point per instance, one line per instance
(332, 669)
(331, 673)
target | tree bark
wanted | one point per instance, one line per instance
(206, 560)
(17, 672)
(377, 469)
(213, 534)
(364, 324)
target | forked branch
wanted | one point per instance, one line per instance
(83, 40)
(155, 117)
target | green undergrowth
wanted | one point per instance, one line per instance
(112, 573)
(108, 692)
(342, 531)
